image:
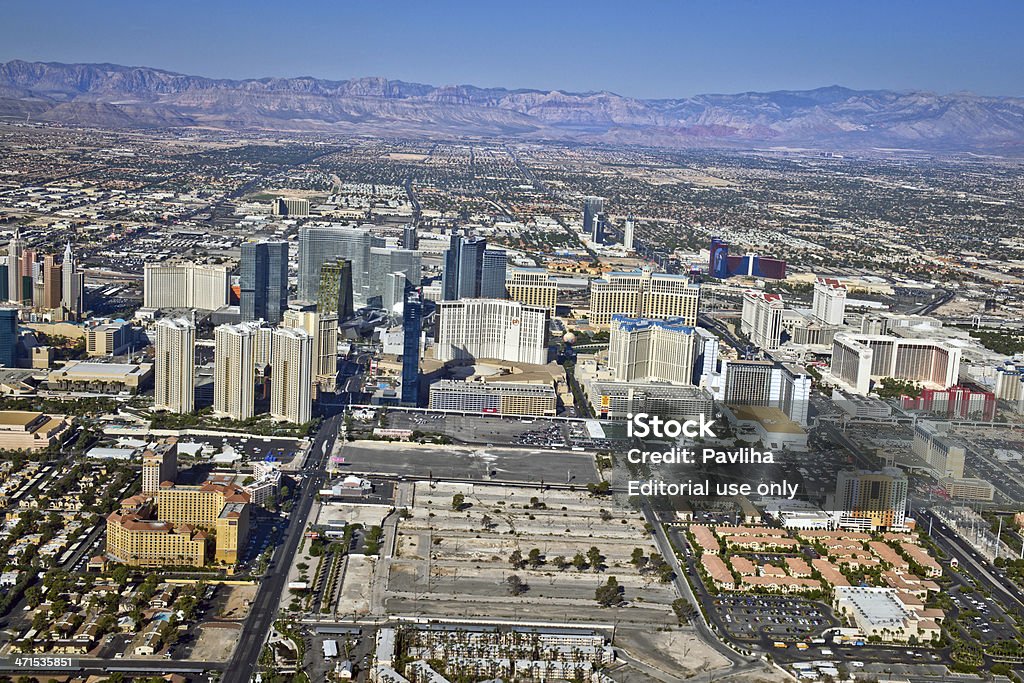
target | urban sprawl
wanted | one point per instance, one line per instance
(320, 408)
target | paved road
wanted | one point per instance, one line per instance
(700, 623)
(156, 667)
(1004, 590)
(264, 608)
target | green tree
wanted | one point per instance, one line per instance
(609, 594)
(579, 561)
(516, 559)
(594, 558)
(516, 586)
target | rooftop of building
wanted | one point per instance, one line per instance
(84, 368)
(770, 418)
(878, 607)
(18, 418)
(630, 324)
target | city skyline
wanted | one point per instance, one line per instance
(375, 381)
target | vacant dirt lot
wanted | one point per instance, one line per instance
(457, 561)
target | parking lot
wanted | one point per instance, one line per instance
(754, 617)
(982, 617)
(508, 431)
(250, 448)
(463, 462)
(998, 457)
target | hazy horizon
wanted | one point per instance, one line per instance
(661, 52)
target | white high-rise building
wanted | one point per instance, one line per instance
(829, 305)
(762, 319)
(291, 383)
(186, 285)
(234, 382)
(627, 234)
(14, 282)
(499, 329)
(857, 359)
(641, 349)
(706, 355)
(944, 454)
(644, 294)
(175, 366)
(795, 395)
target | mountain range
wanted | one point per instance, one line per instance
(113, 96)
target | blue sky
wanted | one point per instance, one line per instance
(672, 48)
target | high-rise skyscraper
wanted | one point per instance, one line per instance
(289, 206)
(15, 288)
(533, 286)
(320, 244)
(872, 501)
(159, 464)
(185, 285)
(383, 262)
(38, 289)
(8, 337)
(324, 331)
(829, 304)
(335, 293)
(175, 366)
(264, 281)
(470, 329)
(71, 286)
(410, 239)
(761, 320)
(600, 229)
(641, 349)
(412, 327)
(52, 282)
(471, 263)
(463, 268)
(858, 360)
(592, 206)
(450, 270)
(643, 294)
(234, 382)
(492, 274)
(291, 383)
(627, 234)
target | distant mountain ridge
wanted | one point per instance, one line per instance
(109, 95)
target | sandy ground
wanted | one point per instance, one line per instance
(677, 651)
(367, 515)
(216, 643)
(958, 307)
(456, 562)
(354, 595)
(239, 599)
